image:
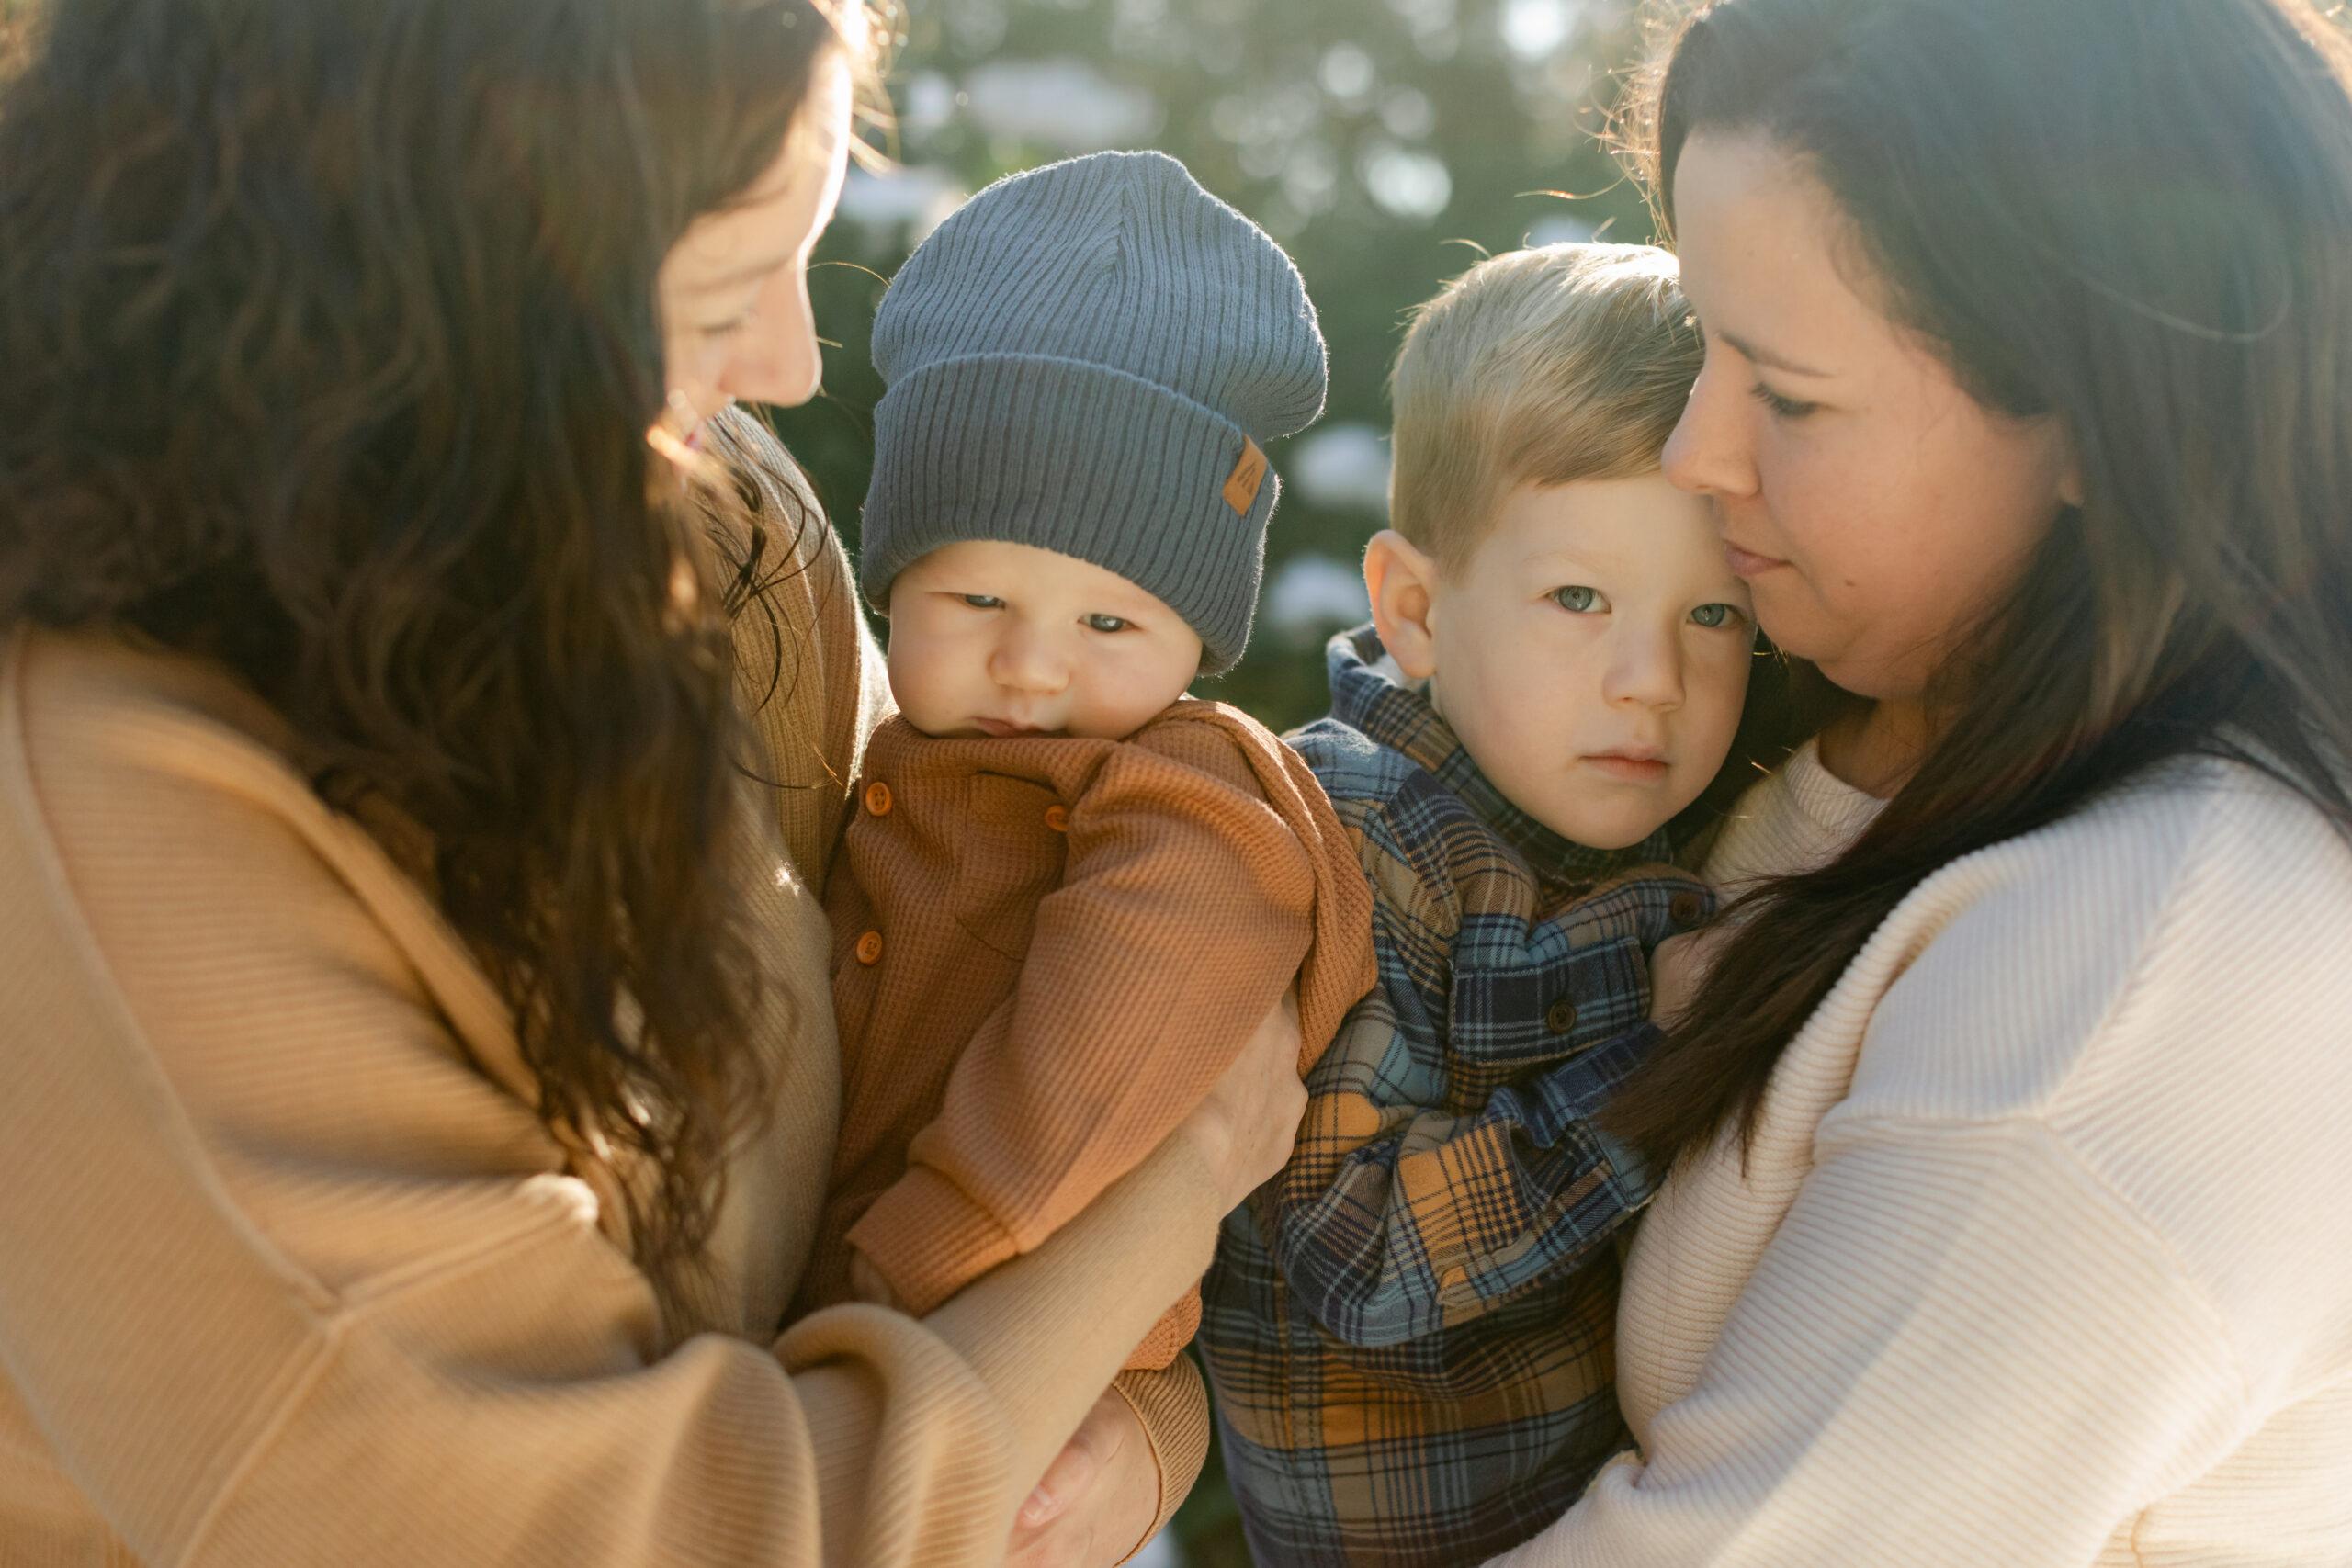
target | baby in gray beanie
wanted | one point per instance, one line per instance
(1071, 894)
(1086, 359)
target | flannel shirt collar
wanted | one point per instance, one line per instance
(1400, 718)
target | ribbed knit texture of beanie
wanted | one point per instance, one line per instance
(1088, 358)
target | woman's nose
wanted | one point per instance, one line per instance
(1707, 454)
(774, 359)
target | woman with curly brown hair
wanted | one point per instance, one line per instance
(424, 708)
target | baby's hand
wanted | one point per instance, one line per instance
(1679, 968)
(866, 1282)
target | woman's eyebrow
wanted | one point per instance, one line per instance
(1765, 358)
(739, 275)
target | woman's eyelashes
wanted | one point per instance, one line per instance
(728, 325)
(1781, 407)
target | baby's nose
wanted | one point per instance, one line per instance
(1028, 663)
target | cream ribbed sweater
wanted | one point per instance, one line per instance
(1799, 819)
(291, 1275)
(2043, 1252)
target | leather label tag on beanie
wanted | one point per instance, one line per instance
(1242, 490)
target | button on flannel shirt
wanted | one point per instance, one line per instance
(1410, 1330)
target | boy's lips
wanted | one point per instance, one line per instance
(1634, 764)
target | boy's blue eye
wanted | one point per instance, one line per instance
(982, 601)
(1106, 624)
(1715, 615)
(1579, 599)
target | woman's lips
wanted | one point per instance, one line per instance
(1747, 563)
(1632, 769)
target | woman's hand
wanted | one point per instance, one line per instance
(1099, 1497)
(867, 1283)
(1246, 1126)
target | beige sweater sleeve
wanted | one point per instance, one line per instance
(290, 1280)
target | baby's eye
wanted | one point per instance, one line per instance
(1715, 615)
(1579, 599)
(982, 601)
(1106, 624)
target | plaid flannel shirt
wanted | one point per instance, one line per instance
(1411, 1331)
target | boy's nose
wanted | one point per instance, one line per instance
(1644, 670)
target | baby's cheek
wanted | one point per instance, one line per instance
(1118, 702)
(923, 681)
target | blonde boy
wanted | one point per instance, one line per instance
(1409, 1332)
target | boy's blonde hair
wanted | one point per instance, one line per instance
(1537, 366)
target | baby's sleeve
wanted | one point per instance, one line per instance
(1188, 906)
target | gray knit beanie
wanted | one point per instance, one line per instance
(1087, 358)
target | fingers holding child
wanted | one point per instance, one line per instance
(1096, 1501)
(1249, 1120)
(868, 1283)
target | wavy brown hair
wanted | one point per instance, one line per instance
(328, 347)
(2134, 216)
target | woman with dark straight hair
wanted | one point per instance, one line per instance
(2007, 1122)
(424, 708)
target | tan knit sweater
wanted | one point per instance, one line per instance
(1047, 949)
(290, 1273)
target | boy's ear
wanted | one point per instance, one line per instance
(1402, 582)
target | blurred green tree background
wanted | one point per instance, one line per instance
(1388, 143)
